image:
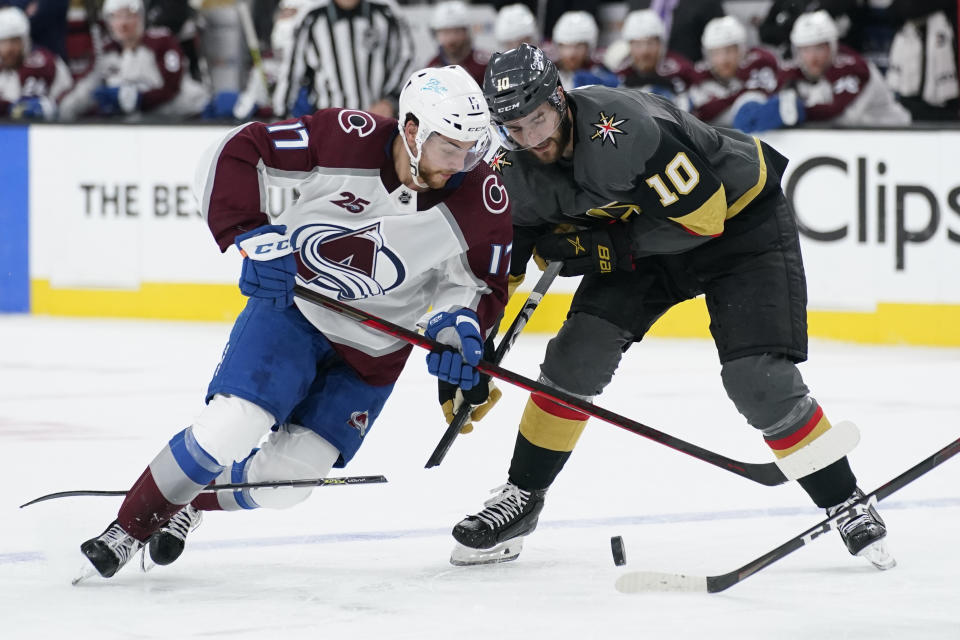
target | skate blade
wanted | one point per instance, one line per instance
(86, 571)
(878, 555)
(146, 562)
(463, 556)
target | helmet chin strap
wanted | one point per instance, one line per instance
(414, 163)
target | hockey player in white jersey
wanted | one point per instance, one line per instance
(393, 217)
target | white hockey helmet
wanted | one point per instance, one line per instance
(515, 22)
(814, 28)
(452, 14)
(575, 27)
(723, 32)
(643, 24)
(14, 24)
(111, 6)
(448, 102)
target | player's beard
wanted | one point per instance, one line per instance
(557, 142)
(435, 178)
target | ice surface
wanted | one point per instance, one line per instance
(85, 404)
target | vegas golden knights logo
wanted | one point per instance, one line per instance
(499, 161)
(608, 128)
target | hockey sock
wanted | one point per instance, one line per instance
(173, 479)
(533, 468)
(548, 433)
(831, 485)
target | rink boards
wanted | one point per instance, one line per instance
(101, 221)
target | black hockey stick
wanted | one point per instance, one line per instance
(215, 488)
(768, 473)
(641, 581)
(463, 413)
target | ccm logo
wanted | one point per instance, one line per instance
(268, 247)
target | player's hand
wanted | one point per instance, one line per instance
(784, 109)
(33, 107)
(460, 329)
(588, 251)
(110, 100)
(302, 106)
(483, 396)
(269, 268)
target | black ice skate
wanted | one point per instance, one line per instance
(864, 532)
(168, 542)
(496, 533)
(109, 551)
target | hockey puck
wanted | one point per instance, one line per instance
(619, 553)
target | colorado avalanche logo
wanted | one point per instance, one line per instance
(495, 197)
(359, 421)
(353, 263)
(360, 121)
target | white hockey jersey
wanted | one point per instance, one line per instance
(358, 234)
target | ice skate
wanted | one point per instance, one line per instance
(109, 551)
(864, 532)
(496, 533)
(168, 542)
(166, 545)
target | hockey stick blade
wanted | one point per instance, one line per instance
(463, 413)
(768, 473)
(652, 581)
(216, 488)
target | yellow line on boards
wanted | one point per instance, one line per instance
(210, 302)
(918, 324)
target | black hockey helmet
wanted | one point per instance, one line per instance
(517, 81)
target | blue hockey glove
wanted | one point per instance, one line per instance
(221, 105)
(460, 329)
(782, 110)
(302, 106)
(269, 268)
(595, 76)
(122, 99)
(660, 90)
(33, 107)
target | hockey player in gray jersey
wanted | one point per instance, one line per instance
(663, 208)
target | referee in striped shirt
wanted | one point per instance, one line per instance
(346, 53)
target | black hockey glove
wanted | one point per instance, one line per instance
(524, 239)
(483, 396)
(588, 251)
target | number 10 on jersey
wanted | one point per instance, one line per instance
(683, 184)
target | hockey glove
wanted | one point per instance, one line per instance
(302, 106)
(482, 396)
(782, 110)
(588, 251)
(269, 268)
(460, 329)
(111, 100)
(34, 107)
(524, 239)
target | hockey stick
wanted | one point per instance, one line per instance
(768, 473)
(216, 488)
(463, 413)
(250, 37)
(641, 581)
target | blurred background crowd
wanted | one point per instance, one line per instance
(751, 64)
